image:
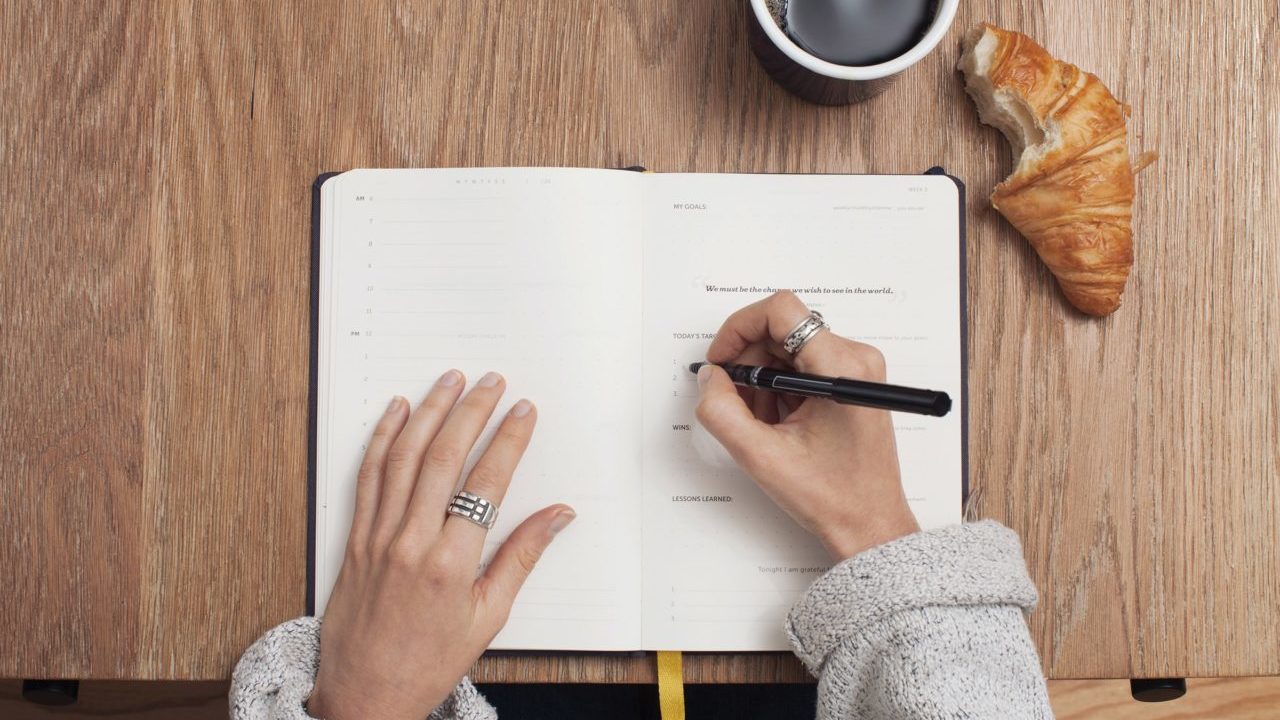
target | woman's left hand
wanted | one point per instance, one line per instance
(408, 615)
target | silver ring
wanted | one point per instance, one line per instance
(470, 506)
(804, 332)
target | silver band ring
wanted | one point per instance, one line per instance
(804, 332)
(470, 506)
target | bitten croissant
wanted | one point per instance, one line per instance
(1071, 191)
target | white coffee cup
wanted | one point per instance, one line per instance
(827, 83)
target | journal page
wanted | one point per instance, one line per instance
(530, 272)
(879, 257)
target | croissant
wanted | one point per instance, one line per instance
(1071, 191)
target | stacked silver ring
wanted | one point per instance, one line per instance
(804, 332)
(470, 506)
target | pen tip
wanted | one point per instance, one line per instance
(693, 367)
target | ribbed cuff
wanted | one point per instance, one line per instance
(976, 563)
(276, 675)
(465, 703)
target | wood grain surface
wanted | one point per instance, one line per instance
(1244, 698)
(154, 299)
(1255, 698)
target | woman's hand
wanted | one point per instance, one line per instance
(408, 615)
(833, 468)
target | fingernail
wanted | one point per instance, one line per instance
(394, 404)
(521, 408)
(449, 379)
(562, 520)
(704, 374)
(489, 380)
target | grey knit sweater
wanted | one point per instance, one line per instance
(927, 626)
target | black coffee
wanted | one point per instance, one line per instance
(857, 32)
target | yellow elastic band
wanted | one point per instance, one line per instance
(671, 684)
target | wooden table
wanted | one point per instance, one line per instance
(158, 158)
(1245, 698)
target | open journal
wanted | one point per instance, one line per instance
(591, 291)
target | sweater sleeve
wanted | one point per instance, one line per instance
(275, 675)
(930, 625)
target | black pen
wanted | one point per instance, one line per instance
(845, 391)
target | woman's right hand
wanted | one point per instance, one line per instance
(832, 467)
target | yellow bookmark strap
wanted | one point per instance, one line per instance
(671, 684)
